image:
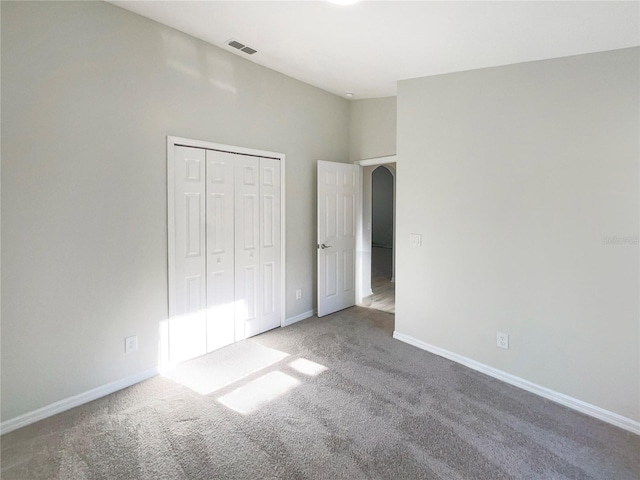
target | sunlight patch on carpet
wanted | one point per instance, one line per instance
(307, 367)
(257, 393)
(221, 368)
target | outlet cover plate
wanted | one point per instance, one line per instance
(131, 344)
(502, 340)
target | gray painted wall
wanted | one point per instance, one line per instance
(518, 177)
(382, 207)
(89, 94)
(372, 128)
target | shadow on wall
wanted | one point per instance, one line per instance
(182, 55)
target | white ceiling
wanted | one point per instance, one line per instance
(366, 47)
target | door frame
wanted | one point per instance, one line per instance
(172, 141)
(363, 251)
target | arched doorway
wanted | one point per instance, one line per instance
(382, 224)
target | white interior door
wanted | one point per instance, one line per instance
(187, 328)
(338, 186)
(220, 249)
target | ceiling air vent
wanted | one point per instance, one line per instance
(241, 46)
(234, 44)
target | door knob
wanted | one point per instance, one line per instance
(323, 246)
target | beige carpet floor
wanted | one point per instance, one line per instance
(329, 398)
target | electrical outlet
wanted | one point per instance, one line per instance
(298, 294)
(502, 340)
(415, 240)
(131, 344)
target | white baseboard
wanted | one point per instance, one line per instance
(297, 318)
(584, 407)
(75, 401)
(88, 396)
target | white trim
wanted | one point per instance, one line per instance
(171, 225)
(172, 141)
(74, 401)
(189, 142)
(613, 418)
(360, 233)
(377, 161)
(283, 242)
(298, 318)
(366, 293)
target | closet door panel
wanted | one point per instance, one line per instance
(270, 244)
(188, 326)
(220, 249)
(248, 295)
(226, 250)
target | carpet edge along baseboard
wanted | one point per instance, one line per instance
(607, 416)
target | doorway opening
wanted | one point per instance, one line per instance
(346, 238)
(377, 245)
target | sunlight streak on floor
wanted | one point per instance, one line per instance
(223, 367)
(257, 393)
(307, 367)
